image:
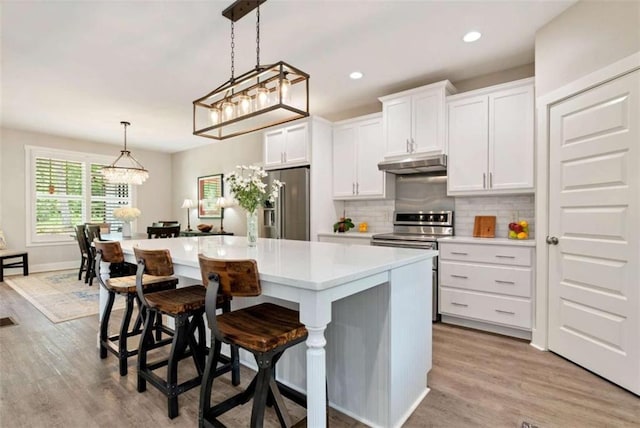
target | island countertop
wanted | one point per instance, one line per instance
(302, 264)
(357, 303)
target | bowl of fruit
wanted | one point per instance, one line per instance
(519, 230)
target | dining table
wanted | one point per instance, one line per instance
(367, 311)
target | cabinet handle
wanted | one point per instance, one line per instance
(491, 180)
(460, 304)
(353, 188)
(484, 180)
(460, 276)
(281, 157)
(505, 257)
(408, 146)
(357, 188)
(285, 157)
(413, 145)
(499, 281)
(459, 254)
(500, 311)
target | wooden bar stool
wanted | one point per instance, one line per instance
(122, 281)
(266, 330)
(186, 306)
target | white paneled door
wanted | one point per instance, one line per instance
(594, 230)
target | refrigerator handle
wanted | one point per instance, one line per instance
(280, 213)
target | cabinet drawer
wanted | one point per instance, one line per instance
(507, 311)
(500, 254)
(512, 281)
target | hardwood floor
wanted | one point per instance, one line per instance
(51, 375)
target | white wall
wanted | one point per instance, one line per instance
(583, 39)
(153, 201)
(219, 157)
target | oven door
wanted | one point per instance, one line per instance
(435, 316)
(419, 245)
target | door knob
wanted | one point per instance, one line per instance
(552, 240)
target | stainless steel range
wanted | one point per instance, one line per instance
(419, 230)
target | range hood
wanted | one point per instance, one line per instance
(415, 164)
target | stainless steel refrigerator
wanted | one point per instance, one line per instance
(288, 217)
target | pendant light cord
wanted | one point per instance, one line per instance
(233, 45)
(125, 135)
(258, 37)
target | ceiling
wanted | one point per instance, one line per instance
(78, 68)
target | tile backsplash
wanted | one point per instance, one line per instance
(379, 213)
(503, 207)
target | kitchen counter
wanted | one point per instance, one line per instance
(377, 372)
(489, 241)
(350, 234)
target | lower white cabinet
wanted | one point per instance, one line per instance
(487, 286)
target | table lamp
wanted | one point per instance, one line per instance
(222, 203)
(188, 204)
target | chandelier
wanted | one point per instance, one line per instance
(125, 169)
(265, 96)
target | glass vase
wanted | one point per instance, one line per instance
(126, 229)
(252, 228)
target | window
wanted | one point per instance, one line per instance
(67, 188)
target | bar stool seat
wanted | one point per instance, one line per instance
(111, 252)
(266, 330)
(262, 328)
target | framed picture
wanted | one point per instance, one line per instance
(210, 188)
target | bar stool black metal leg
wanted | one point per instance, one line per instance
(235, 365)
(104, 324)
(177, 350)
(207, 380)
(145, 342)
(260, 397)
(123, 352)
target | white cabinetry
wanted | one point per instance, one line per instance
(286, 146)
(487, 286)
(491, 135)
(414, 120)
(358, 146)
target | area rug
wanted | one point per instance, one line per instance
(59, 295)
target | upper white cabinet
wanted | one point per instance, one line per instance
(286, 146)
(491, 138)
(358, 146)
(414, 120)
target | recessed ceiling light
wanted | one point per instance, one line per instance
(472, 36)
(356, 75)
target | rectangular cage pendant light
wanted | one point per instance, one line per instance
(266, 96)
(263, 97)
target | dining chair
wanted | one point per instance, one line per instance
(163, 232)
(86, 264)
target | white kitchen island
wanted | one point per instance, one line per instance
(367, 310)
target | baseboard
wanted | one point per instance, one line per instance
(493, 328)
(46, 267)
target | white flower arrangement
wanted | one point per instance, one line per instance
(249, 189)
(126, 213)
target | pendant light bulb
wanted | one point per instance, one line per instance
(262, 98)
(285, 90)
(244, 101)
(214, 113)
(228, 110)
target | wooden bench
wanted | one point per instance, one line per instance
(5, 261)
